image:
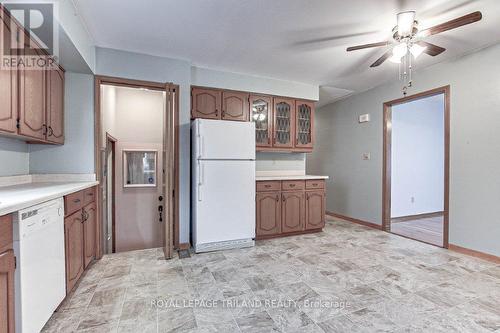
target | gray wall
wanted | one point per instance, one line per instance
(14, 157)
(77, 153)
(356, 187)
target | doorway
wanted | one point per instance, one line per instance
(416, 167)
(137, 135)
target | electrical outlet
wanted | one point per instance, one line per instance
(366, 156)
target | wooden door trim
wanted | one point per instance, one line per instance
(270, 117)
(291, 101)
(131, 83)
(113, 141)
(387, 149)
(312, 106)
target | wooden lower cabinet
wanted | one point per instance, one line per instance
(292, 210)
(80, 226)
(89, 231)
(73, 233)
(7, 270)
(315, 209)
(268, 213)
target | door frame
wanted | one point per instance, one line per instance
(113, 141)
(387, 158)
(130, 83)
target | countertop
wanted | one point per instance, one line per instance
(17, 197)
(289, 177)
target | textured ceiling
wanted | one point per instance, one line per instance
(299, 40)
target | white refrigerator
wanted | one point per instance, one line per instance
(223, 184)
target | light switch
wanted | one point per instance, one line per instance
(366, 156)
(364, 118)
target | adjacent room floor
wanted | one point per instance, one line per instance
(429, 230)
(347, 279)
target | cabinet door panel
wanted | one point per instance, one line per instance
(292, 211)
(234, 106)
(304, 124)
(205, 103)
(55, 106)
(268, 214)
(89, 226)
(32, 105)
(7, 269)
(73, 232)
(284, 122)
(315, 209)
(261, 115)
(8, 88)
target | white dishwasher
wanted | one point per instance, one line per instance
(40, 278)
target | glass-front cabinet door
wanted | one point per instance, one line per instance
(260, 114)
(304, 118)
(284, 122)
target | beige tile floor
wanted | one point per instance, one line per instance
(347, 279)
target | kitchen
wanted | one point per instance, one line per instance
(173, 175)
(278, 200)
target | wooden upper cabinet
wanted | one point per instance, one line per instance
(206, 103)
(315, 209)
(234, 106)
(268, 214)
(261, 115)
(7, 269)
(292, 211)
(89, 232)
(304, 124)
(8, 86)
(73, 232)
(284, 122)
(32, 94)
(55, 106)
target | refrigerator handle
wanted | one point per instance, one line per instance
(200, 140)
(200, 179)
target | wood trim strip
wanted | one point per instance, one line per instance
(473, 253)
(286, 234)
(184, 246)
(416, 217)
(353, 220)
(386, 174)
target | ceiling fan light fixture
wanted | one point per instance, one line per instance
(417, 50)
(405, 23)
(400, 50)
(394, 59)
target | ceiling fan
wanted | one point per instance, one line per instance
(408, 38)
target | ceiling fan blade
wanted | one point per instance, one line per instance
(431, 49)
(383, 58)
(367, 46)
(458, 22)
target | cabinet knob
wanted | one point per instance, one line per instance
(44, 129)
(277, 198)
(216, 112)
(223, 113)
(50, 132)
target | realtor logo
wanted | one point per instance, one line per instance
(29, 33)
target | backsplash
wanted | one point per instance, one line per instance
(14, 156)
(281, 162)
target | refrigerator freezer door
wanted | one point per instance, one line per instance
(224, 200)
(223, 140)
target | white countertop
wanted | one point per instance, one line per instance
(289, 177)
(17, 197)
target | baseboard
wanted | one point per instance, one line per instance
(353, 220)
(416, 217)
(474, 253)
(184, 246)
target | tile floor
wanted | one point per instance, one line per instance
(347, 279)
(429, 230)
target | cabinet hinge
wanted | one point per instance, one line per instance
(15, 262)
(17, 35)
(18, 123)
